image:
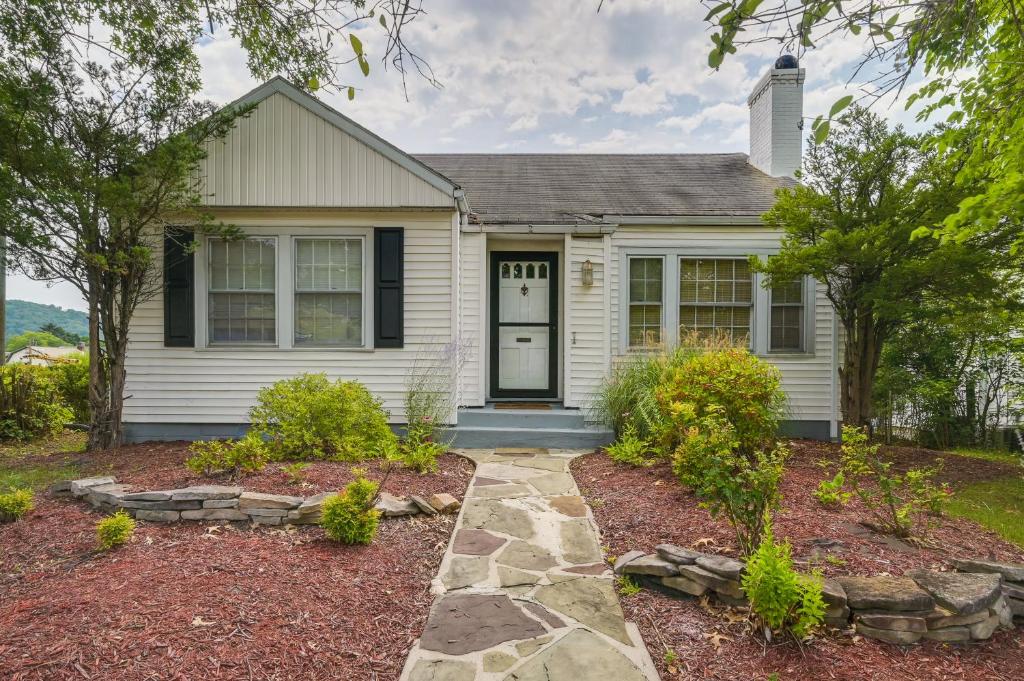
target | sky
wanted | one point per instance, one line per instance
(549, 76)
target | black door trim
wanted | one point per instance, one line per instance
(551, 258)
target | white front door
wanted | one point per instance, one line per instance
(525, 326)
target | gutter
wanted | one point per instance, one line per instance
(463, 204)
(694, 220)
(595, 230)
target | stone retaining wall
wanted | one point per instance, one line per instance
(229, 503)
(954, 607)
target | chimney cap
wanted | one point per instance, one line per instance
(787, 61)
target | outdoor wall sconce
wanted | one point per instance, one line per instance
(587, 273)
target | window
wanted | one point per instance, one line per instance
(646, 277)
(242, 280)
(328, 292)
(715, 296)
(787, 317)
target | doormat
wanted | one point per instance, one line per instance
(542, 406)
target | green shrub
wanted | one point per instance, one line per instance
(892, 498)
(295, 472)
(310, 417)
(721, 410)
(71, 374)
(830, 492)
(418, 451)
(780, 598)
(630, 448)
(349, 517)
(115, 530)
(30, 403)
(15, 504)
(233, 458)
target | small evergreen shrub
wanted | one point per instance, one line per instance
(830, 492)
(892, 498)
(15, 504)
(30, 403)
(233, 458)
(630, 448)
(115, 530)
(721, 411)
(780, 598)
(349, 517)
(311, 417)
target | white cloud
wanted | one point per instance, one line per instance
(527, 122)
(616, 141)
(562, 140)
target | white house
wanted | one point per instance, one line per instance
(546, 267)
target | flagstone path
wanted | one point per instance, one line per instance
(523, 592)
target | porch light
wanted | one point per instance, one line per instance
(587, 273)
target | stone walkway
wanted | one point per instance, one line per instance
(523, 592)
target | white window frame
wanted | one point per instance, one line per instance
(284, 303)
(628, 303)
(207, 292)
(761, 307)
(753, 295)
(363, 338)
(807, 292)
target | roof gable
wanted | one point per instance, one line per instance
(294, 150)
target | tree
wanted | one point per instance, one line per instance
(971, 57)
(849, 224)
(61, 333)
(37, 338)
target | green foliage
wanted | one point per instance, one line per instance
(418, 451)
(894, 499)
(349, 517)
(30, 403)
(115, 530)
(997, 505)
(430, 401)
(71, 374)
(830, 492)
(68, 337)
(37, 338)
(22, 315)
(630, 448)
(850, 225)
(15, 503)
(627, 586)
(310, 417)
(780, 598)
(295, 472)
(723, 409)
(233, 458)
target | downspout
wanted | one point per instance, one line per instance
(834, 420)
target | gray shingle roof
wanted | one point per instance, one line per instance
(579, 188)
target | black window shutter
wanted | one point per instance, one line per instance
(179, 290)
(389, 287)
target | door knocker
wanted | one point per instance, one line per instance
(525, 290)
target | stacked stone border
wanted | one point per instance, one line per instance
(968, 604)
(230, 503)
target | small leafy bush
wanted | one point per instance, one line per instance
(628, 586)
(419, 451)
(780, 598)
(830, 492)
(115, 530)
(349, 517)
(721, 411)
(630, 448)
(311, 417)
(30, 403)
(71, 375)
(295, 472)
(15, 504)
(233, 458)
(892, 498)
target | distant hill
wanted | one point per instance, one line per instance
(24, 316)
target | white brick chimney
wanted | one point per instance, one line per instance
(776, 119)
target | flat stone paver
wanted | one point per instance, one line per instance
(523, 592)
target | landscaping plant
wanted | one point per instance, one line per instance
(311, 417)
(892, 498)
(15, 504)
(30, 403)
(349, 517)
(71, 374)
(115, 530)
(419, 451)
(429, 403)
(830, 493)
(630, 448)
(781, 599)
(233, 458)
(295, 472)
(721, 411)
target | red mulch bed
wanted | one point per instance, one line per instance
(638, 508)
(230, 601)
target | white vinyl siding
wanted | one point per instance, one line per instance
(328, 292)
(586, 354)
(473, 291)
(241, 302)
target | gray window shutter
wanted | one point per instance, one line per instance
(389, 287)
(179, 290)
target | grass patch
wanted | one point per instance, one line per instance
(997, 455)
(997, 505)
(15, 471)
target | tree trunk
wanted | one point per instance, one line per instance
(98, 437)
(860, 364)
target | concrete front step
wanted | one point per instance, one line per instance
(489, 417)
(498, 436)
